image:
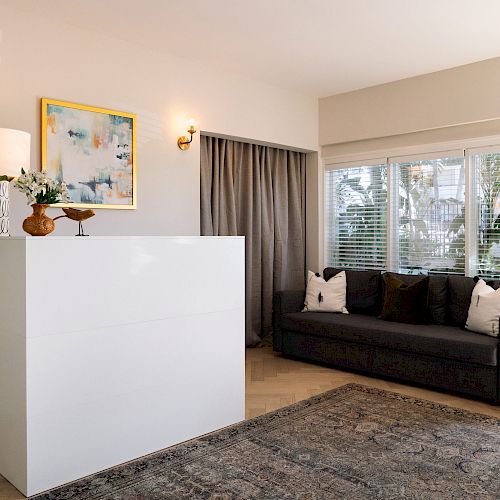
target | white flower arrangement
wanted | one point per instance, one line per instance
(39, 188)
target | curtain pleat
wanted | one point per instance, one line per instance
(257, 192)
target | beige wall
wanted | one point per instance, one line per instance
(41, 58)
(384, 145)
(314, 213)
(463, 95)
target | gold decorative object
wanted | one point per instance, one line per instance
(77, 215)
(183, 142)
(38, 224)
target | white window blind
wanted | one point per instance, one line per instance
(430, 220)
(486, 175)
(356, 217)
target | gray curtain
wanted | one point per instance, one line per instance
(257, 192)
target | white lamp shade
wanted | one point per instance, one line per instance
(14, 151)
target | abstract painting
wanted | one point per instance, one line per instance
(93, 151)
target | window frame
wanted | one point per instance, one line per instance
(462, 148)
(396, 165)
(472, 213)
(342, 166)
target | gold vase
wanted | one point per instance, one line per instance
(38, 224)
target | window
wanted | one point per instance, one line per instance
(357, 217)
(426, 214)
(486, 184)
(431, 215)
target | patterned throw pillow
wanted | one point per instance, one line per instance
(326, 296)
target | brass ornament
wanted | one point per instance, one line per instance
(183, 142)
(38, 224)
(77, 215)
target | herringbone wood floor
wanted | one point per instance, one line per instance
(273, 381)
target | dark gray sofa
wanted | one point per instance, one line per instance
(440, 354)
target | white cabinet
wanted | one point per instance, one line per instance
(115, 347)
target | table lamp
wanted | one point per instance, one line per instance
(14, 155)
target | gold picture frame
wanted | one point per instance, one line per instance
(92, 152)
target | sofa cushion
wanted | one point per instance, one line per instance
(495, 284)
(405, 302)
(363, 290)
(434, 340)
(459, 295)
(438, 294)
(484, 310)
(325, 296)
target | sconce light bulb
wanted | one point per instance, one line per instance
(192, 126)
(183, 142)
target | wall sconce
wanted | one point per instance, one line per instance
(183, 142)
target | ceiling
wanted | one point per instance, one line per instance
(316, 47)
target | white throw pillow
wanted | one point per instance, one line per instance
(326, 296)
(484, 310)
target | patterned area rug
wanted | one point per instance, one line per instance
(353, 442)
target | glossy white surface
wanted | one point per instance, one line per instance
(13, 437)
(138, 345)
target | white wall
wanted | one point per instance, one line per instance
(41, 58)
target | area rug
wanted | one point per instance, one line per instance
(353, 442)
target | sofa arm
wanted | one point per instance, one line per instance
(285, 301)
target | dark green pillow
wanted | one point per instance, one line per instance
(438, 294)
(405, 302)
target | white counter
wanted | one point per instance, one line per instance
(115, 347)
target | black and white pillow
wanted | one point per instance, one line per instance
(326, 296)
(484, 310)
